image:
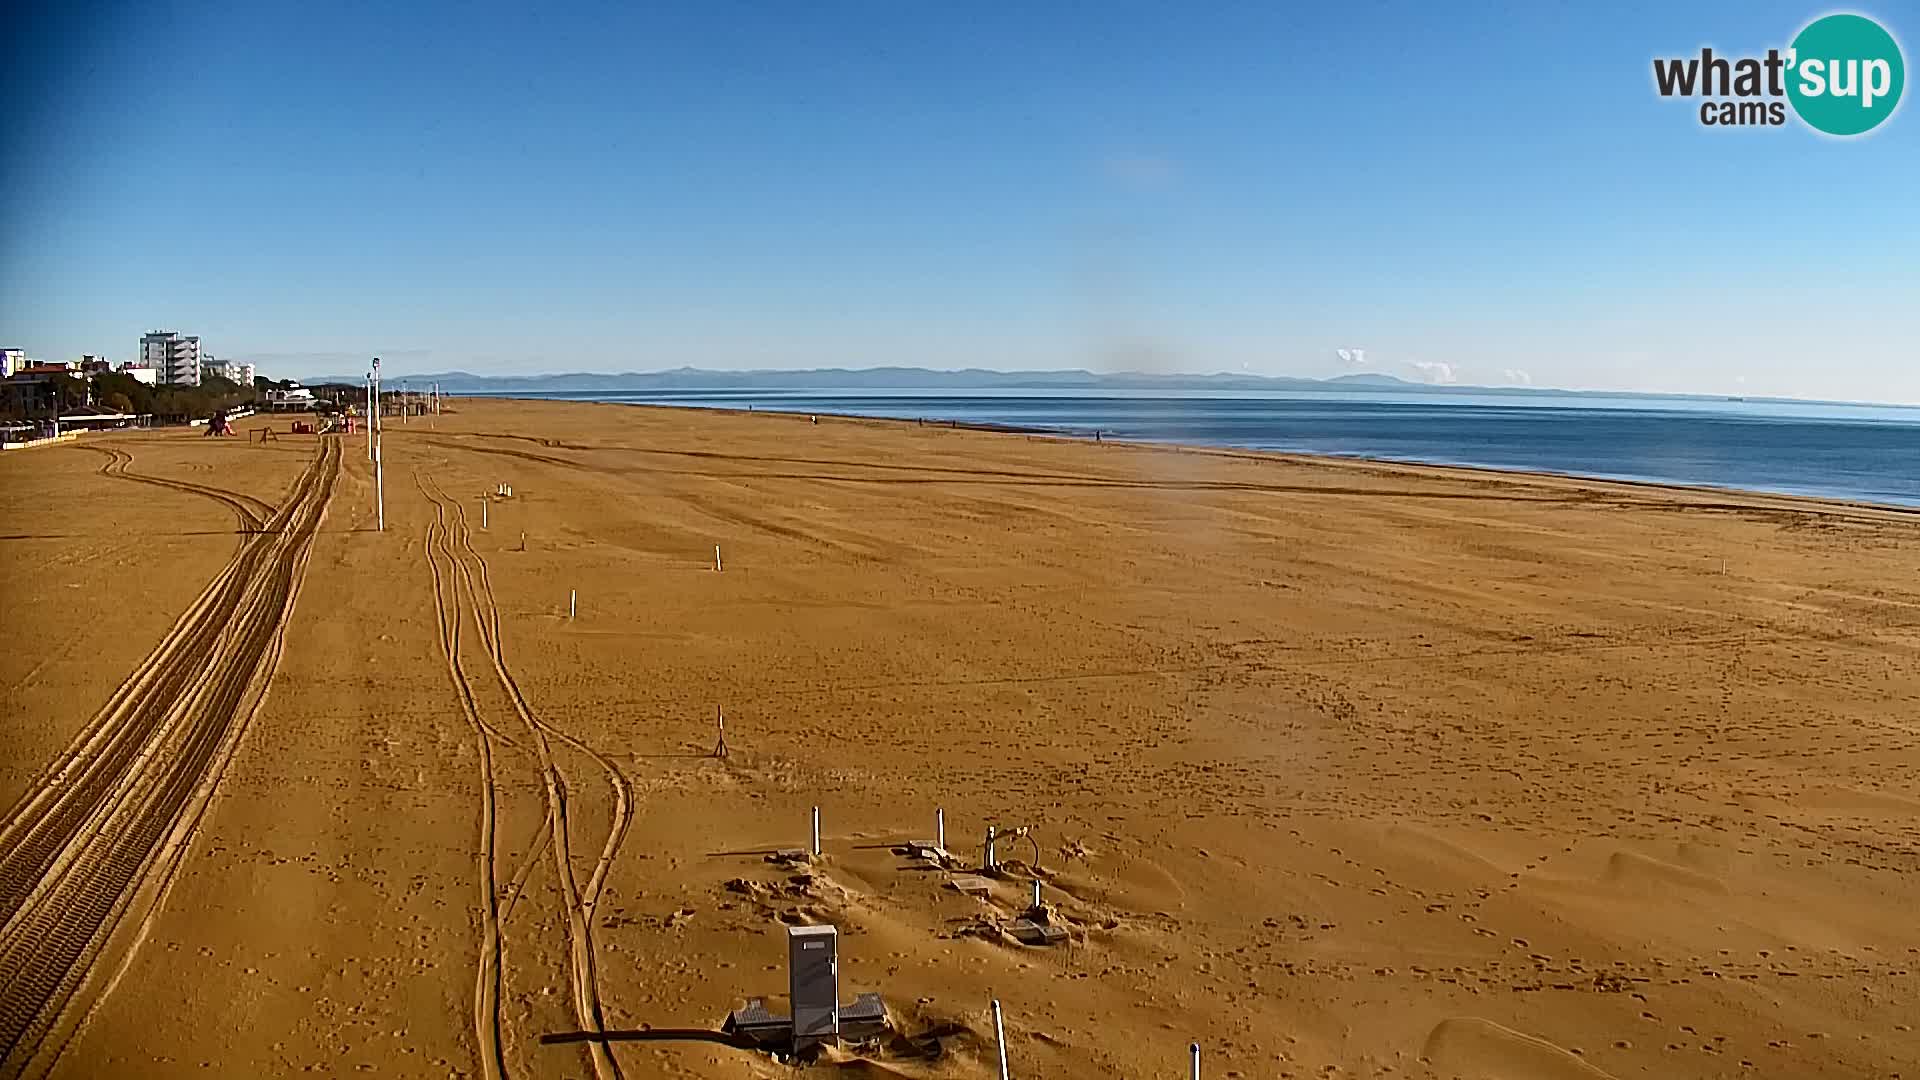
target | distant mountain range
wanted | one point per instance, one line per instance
(903, 378)
(912, 378)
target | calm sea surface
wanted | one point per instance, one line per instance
(1868, 453)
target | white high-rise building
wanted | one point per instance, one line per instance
(174, 357)
(231, 370)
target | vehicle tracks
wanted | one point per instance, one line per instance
(451, 539)
(87, 855)
(252, 512)
(487, 976)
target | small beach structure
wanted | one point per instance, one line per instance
(813, 988)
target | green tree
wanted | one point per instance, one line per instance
(72, 392)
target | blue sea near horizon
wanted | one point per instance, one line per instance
(1862, 453)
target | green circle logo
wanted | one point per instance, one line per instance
(1845, 74)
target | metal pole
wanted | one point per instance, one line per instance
(1036, 894)
(369, 416)
(816, 830)
(379, 490)
(940, 829)
(483, 513)
(1000, 1038)
(991, 861)
(1194, 1049)
(716, 558)
(573, 595)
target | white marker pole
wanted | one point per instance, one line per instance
(379, 490)
(572, 596)
(816, 830)
(940, 828)
(369, 417)
(991, 861)
(483, 513)
(716, 558)
(1194, 1049)
(1000, 1038)
(1036, 893)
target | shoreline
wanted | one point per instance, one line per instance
(1824, 505)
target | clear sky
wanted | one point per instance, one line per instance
(1488, 195)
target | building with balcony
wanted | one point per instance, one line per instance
(175, 357)
(231, 370)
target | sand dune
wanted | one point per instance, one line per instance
(1337, 768)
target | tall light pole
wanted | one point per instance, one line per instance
(379, 473)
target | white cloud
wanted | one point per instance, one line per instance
(1434, 371)
(1352, 357)
(1517, 376)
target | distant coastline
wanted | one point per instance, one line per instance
(901, 379)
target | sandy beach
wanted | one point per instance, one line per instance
(1335, 768)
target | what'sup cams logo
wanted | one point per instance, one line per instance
(1842, 75)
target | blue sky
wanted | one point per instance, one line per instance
(1483, 196)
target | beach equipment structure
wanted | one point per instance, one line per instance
(813, 989)
(1035, 925)
(936, 848)
(813, 983)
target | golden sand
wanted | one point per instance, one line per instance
(1336, 768)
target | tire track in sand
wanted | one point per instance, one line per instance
(487, 976)
(578, 903)
(100, 839)
(252, 512)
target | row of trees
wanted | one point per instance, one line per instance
(117, 391)
(120, 392)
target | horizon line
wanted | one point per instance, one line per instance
(1348, 378)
